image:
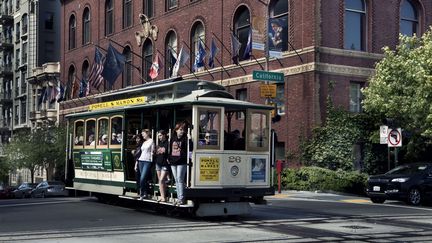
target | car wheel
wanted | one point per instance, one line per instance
(414, 197)
(377, 200)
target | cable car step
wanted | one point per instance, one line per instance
(189, 204)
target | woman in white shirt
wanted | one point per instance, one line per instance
(143, 163)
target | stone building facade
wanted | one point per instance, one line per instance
(324, 40)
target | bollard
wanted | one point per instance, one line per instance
(279, 167)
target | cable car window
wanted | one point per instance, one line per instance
(116, 130)
(103, 132)
(258, 131)
(79, 133)
(209, 128)
(234, 130)
(90, 132)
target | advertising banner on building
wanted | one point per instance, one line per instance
(278, 36)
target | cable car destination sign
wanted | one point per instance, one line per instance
(116, 103)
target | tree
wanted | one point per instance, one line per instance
(43, 147)
(401, 89)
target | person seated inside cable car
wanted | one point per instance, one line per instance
(103, 140)
(114, 139)
(208, 140)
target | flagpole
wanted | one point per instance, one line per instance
(190, 70)
(228, 51)
(79, 98)
(217, 59)
(195, 57)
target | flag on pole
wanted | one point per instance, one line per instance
(75, 87)
(114, 65)
(235, 49)
(199, 57)
(82, 88)
(213, 52)
(61, 91)
(248, 50)
(173, 61)
(155, 67)
(54, 93)
(41, 97)
(95, 78)
(182, 58)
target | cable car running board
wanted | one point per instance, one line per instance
(189, 204)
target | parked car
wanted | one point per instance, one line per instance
(49, 188)
(411, 183)
(24, 190)
(6, 192)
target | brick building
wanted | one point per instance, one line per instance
(322, 41)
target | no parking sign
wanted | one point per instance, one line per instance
(394, 138)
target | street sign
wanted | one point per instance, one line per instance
(394, 138)
(268, 90)
(383, 134)
(267, 76)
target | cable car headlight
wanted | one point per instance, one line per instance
(235, 170)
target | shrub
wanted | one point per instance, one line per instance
(316, 178)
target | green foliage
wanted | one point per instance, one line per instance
(316, 178)
(332, 144)
(44, 146)
(5, 167)
(402, 90)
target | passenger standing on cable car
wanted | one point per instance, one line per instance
(145, 161)
(178, 160)
(136, 154)
(161, 160)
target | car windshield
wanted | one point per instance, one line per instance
(407, 169)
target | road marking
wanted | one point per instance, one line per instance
(356, 201)
(36, 203)
(280, 196)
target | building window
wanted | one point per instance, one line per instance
(241, 94)
(278, 26)
(24, 53)
(72, 32)
(170, 4)
(127, 13)
(23, 116)
(355, 25)
(170, 53)
(355, 97)
(127, 73)
(49, 21)
(148, 8)
(148, 59)
(409, 19)
(70, 82)
(18, 31)
(198, 36)
(242, 28)
(109, 17)
(86, 26)
(85, 69)
(280, 98)
(24, 21)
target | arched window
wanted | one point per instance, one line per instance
(72, 32)
(148, 59)
(127, 13)
(127, 72)
(408, 18)
(278, 27)
(71, 85)
(86, 26)
(197, 37)
(85, 69)
(355, 25)
(109, 17)
(24, 22)
(242, 28)
(170, 52)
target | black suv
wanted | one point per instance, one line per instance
(410, 182)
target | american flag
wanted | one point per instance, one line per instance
(95, 77)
